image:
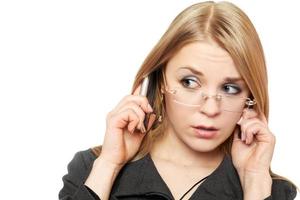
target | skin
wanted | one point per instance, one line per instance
(180, 145)
(180, 152)
(208, 58)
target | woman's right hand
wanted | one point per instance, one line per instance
(123, 135)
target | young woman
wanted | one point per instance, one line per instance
(207, 136)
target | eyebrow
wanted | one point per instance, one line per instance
(227, 79)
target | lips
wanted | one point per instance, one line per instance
(209, 128)
(205, 132)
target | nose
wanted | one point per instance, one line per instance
(210, 107)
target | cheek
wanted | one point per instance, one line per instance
(228, 123)
(176, 113)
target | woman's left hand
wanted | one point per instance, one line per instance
(252, 153)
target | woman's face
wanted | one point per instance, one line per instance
(217, 75)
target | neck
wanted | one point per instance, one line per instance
(169, 148)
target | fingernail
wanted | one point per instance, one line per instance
(243, 136)
(132, 131)
(150, 108)
(151, 121)
(239, 122)
(143, 130)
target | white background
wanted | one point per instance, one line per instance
(65, 64)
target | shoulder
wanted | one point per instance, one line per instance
(81, 164)
(85, 157)
(282, 189)
(78, 170)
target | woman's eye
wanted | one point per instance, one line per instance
(231, 89)
(189, 83)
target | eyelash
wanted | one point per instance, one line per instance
(238, 89)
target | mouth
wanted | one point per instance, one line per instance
(205, 132)
(208, 128)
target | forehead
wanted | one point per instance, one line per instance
(206, 57)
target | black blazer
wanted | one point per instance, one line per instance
(141, 180)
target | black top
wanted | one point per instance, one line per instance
(140, 180)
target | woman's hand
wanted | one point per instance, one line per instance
(124, 129)
(252, 153)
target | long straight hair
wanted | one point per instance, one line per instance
(231, 29)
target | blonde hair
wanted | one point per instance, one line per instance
(227, 25)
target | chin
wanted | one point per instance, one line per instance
(204, 146)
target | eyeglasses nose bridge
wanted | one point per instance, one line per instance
(217, 97)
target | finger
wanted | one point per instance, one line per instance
(249, 137)
(152, 118)
(249, 113)
(240, 120)
(248, 123)
(245, 126)
(138, 110)
(134, 124)
(125, 118)
(243, 136)
(251, 134)
(260, 132)
(263, 118)
(263, 134)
